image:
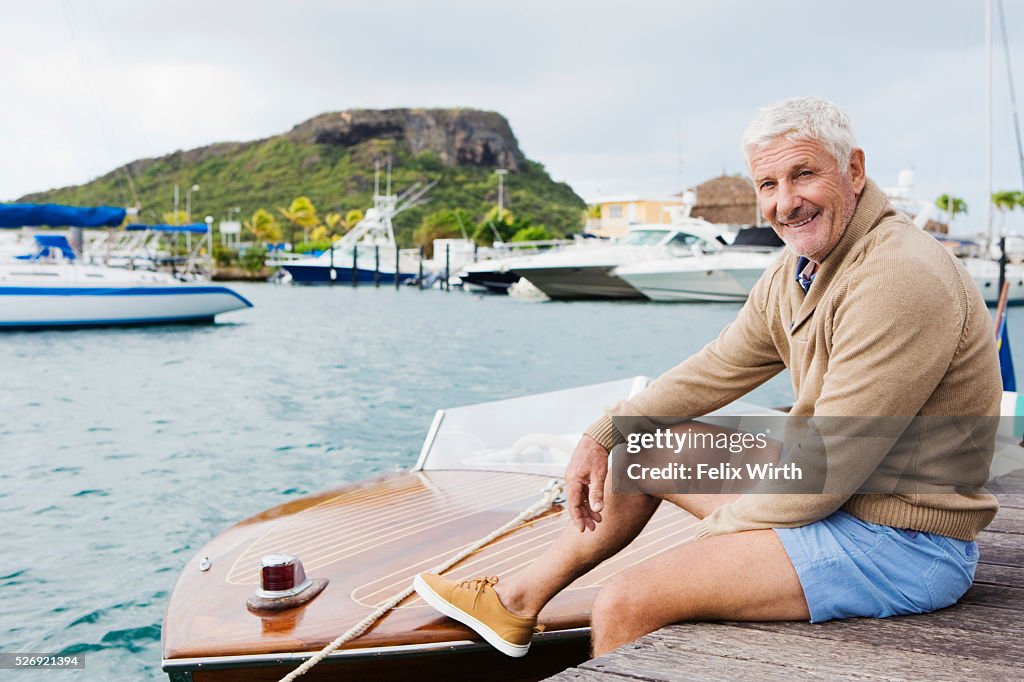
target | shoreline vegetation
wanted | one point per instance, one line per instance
(308, 186)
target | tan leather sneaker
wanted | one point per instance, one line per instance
(476, 604)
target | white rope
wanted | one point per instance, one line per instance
(553, 491)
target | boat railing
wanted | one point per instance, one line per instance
(278, 258)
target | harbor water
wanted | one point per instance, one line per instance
(125, 451)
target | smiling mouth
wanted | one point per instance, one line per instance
(802, 222)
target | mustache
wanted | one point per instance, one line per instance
(797, 215)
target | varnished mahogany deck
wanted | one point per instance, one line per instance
(369, 540)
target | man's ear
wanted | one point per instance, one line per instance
(857, 175)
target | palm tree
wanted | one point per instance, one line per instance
(265, 226)
(301, 213)
(174, 218)
(351, 219)
(1006, 201)
(332, 221)
(953, 206)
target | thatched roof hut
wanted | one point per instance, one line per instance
(726, 199)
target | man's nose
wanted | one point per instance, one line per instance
(787, 201)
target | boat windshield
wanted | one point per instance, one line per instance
(685, 239)
(643, 237)
(534, 434)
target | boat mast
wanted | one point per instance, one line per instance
(988, 121)
(1013, 91)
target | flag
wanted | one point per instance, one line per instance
(1005, 359)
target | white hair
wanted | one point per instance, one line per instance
(803, 118)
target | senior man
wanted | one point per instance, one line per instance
(873, 318)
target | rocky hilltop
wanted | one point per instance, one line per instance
(331, 159)
(459, 137)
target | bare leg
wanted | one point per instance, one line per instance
(574, 553)
(741, 576)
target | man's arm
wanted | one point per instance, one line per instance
(740, 359)
(743, 357)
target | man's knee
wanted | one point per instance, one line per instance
(619, 606)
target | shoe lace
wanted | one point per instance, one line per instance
(480, 585)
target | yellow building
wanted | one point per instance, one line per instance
(618, 213)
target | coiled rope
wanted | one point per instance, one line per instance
(552, 492)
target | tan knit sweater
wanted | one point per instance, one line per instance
(892, 326)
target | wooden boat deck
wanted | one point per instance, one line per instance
(369, 539)
(981, 637)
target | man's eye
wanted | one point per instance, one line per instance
(766, 185)
(805, 173)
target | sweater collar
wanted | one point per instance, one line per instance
(871, 206)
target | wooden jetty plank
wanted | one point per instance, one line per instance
(969, 617)
(1005, 549)
(666, 655)
(993, 574)
(963, 631)
(1007, 483)
(995, 596)
(640, 661)
(1015, 500)
(1008, 520)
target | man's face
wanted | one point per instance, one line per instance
(803, 195)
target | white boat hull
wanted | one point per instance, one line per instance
(726, 277)
(986, 275)
(590, 271)
(36, 297)
(578, 282)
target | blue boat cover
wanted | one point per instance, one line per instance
(193, 228)
(55, 215)
(48, 244)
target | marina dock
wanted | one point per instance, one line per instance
(979, 638)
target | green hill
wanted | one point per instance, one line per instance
(331, 159)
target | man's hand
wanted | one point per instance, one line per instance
(584, 483)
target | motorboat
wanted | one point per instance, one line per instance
(51, 287)
(367, 253)
(588, 271)
(985, 273)
(279, 588)
(725, 274)
(362, 543)
(493, 274)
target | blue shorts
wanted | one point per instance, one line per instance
(848, 567)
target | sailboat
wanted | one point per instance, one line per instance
(51, 288)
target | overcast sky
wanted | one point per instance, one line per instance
(634, 97)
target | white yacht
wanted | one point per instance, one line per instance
(720, 274)
(492, 274)
(589, 271)
(985, 273)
